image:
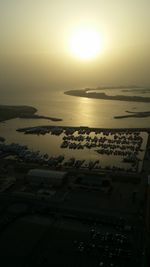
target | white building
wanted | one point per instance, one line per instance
(46, 177)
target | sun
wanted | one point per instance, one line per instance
(85, 44)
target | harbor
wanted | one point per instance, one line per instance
(92, 209)
(83, 148)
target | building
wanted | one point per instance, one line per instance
(43, 177)
(91, 180)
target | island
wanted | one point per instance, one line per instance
(101, 95)
(23, 112)
(132, 114)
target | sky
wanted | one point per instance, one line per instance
(43, 28)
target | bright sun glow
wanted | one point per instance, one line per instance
(86, 44)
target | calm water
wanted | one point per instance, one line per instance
(74, 111)
(78, 111)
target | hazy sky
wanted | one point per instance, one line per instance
(45, 27)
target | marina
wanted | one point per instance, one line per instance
(75, 133)
(84, 148)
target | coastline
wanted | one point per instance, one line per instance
(131, 114)
(104, 96)
(23, 112)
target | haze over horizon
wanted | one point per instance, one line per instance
(35, 43)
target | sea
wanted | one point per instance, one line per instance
(74, 111)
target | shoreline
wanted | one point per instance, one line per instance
(104, 96)
(129, 145)
(132, 114)
(23, 112)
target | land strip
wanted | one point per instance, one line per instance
(104, 96)
(23, 112)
